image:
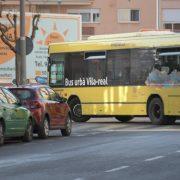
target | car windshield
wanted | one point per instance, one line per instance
(23, 94)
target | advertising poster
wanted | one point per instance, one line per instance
(51, 28)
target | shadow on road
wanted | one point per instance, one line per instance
(135, 121)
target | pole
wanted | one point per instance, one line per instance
(59, 4)
(17, 63)
(157, 14)
(22, 43)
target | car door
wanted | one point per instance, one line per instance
(5, 112)
(49, 105)
(58, 108)
(16, 122)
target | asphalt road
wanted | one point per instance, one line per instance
(99, 149)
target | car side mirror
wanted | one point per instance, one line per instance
(62, 100)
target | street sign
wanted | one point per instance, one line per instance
(29, 45)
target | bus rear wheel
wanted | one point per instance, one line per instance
(76, 111)
(156, 112)
(124, 118)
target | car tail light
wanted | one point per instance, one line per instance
(34, 105)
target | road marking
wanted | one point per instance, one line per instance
(178, 151)
(154, 158)
(141, 130)
(116, 169)
(79, 135)
(79, 179)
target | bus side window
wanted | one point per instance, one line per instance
(142, 61)
(166, 70)
(96, 63)
(118, 67)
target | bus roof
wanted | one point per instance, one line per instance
(119, 41)
(130, 35)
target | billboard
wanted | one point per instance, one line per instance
(51, 28)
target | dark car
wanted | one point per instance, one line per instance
(49, 110)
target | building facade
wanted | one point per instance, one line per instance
(110, 16)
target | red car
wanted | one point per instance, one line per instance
(48, 109)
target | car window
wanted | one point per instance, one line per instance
(44, 93)
(11, 98)
(3, 98)
(53, 95)
(23, 94)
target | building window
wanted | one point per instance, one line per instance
(88, 15)
(88, 31)
(128, 15)
(96, 17)
(10, 8)
(168, 26)
(134, 15)
(42, 9)
(172, 26)
(176, 27)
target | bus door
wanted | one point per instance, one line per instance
(56, 70)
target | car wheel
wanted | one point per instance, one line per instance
(156, 112)
(76, 111)
(44, 129)
(1, 134)
(28, 135)
(124, 118)
(68, 128)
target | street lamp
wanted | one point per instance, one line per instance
(59, 3)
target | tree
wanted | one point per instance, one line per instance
(10, 40)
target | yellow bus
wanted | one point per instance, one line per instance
(121, 76)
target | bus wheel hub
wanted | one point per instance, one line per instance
(77, 110)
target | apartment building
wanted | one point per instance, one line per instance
(110, 16)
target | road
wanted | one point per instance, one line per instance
(99, 149)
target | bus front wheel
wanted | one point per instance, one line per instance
(124, 118)
(156, 112)
(76, 111)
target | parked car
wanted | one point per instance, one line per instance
(49, 110)
(15, 120)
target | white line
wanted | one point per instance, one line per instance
(141, 130)
(154, 158)
(116, 169)
(178, 151)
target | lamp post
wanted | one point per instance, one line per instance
(59, 4)
(22, 42)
